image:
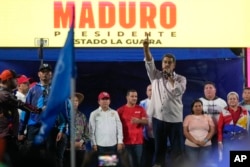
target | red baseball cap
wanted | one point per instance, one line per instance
(22, 79)
(7, 74)
(103, 95)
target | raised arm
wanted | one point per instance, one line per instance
(147, 53)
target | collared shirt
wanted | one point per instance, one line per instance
(105, 128)
(22, 97)
(37, 96)
(166, 100)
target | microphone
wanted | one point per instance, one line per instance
(167, 74)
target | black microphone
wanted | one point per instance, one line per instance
(166, 74)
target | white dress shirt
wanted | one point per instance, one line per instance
(105, 128)
(166, 100)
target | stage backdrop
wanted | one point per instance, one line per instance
(117, 77)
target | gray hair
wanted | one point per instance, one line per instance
(233, 93)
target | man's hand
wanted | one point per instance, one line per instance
(135, 120)
(59, 136)
(79, 145)
(220, 146)
(146, 42)
(21, 137)
(94, 147)
(120, 146)
(147, 53)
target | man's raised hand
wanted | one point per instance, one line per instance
(146, 42)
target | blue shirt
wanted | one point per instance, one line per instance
(38, 96)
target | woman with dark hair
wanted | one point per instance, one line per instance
(198, 129)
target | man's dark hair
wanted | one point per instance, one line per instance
(169, 55)
(209, 83)
(130, 90)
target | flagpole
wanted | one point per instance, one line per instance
(72, 125)
(64, 71)
(72, 95)
(40, 51)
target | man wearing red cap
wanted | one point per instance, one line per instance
(105, 127)
(8, 84)
(9, 117)
(23, 83)
(22, 88)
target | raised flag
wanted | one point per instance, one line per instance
(60, 88)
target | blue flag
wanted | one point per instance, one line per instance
(60, 88)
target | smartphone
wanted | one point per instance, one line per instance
(108, 160)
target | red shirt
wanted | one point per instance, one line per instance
(235, 114)
(132, 133)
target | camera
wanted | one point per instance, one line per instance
(108, 160)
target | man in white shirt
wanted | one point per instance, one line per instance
(105, 127)
(148, 136)
(213, 105)
(22, 89)
(166, 105)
